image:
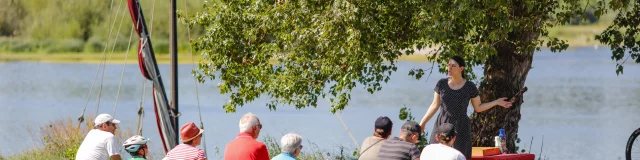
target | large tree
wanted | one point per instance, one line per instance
(292, 51)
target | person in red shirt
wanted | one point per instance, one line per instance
(245, 146)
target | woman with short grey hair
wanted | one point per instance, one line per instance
(291, 146)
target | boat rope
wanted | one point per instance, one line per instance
(195, 81)
(153, 11)
(144, 81)
(140, 108)
(81, 118)
(104, 67)
(127, 54)
(123, 67)
(349, 132)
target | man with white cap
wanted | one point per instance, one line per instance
(100, 143)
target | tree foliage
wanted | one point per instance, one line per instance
(293, 50)
(314, 45)
(623, 35)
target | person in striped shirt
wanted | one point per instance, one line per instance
(191, 136)
(403, 147)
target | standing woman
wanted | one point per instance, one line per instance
(453, 95)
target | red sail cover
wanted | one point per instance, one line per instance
(165, 117)
(137, 23)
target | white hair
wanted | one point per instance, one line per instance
(247, 121)
(290, 142)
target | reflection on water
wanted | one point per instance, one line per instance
(575, 100)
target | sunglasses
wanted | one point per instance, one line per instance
(259, 126)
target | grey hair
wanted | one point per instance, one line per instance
(247, 121)
(290, 142)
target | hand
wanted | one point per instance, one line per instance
(422, 128)
(503, 102)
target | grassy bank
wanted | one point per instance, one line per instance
(60, 140)
(117, 58)
(576, 36)
(112, 58)
(77, 51)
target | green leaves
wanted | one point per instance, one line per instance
(297, 52)
(405, 114)
(623, 35)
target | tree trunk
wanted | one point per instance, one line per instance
(504, 75)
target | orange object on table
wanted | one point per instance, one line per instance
(523, 156)
(484, 151)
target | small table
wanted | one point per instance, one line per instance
(522, 156)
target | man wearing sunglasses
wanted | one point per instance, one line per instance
(245, 146)
(100, 143)
(402, 147)
(291, 146)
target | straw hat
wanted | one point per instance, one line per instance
(189, 132)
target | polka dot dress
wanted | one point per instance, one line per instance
(453, 109)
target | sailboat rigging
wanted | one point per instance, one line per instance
(166, 115)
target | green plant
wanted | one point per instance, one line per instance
(272, 145)
(405, 114)
(311, 151)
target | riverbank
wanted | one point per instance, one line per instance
(119, 58)
(575, 35)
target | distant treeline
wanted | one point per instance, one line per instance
(51, 26)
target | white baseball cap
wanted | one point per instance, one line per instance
(103, 118)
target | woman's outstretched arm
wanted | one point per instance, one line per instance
(435, 104)
(478, 106)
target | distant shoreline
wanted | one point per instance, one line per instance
(120, 58)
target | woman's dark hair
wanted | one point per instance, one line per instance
(460, 62)
(382, 133)
(443, 138)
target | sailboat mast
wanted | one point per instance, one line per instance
(174, 69)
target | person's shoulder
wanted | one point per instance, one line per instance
(443, 80)
(428, 147)
(452, 151)
(395, 142)
(470, 82)
(370, 138)
(259, 144)
(102, 134)
(457, 152)
(279, 156)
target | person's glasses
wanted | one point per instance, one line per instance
(301, 147)
(259, 126)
